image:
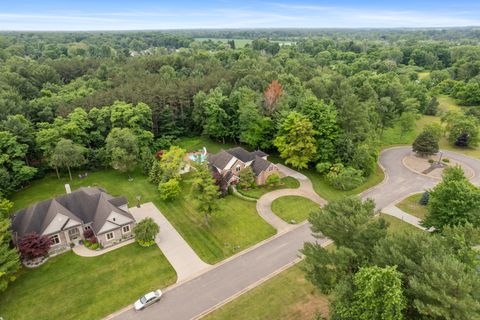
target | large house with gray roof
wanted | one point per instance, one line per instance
(230, 162)
(65, 219)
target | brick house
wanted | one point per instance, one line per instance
(230, 162)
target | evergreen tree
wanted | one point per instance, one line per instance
(425, 144)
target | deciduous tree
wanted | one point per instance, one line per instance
(122, 148)
(145, 232)
(296, 140)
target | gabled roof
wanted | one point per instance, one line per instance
(220, 160)
(85, 205)
(241, 154)
(259, 153)
(259, 165)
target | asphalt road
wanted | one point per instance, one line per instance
(192, 298)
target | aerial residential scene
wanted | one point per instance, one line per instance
(239, 160)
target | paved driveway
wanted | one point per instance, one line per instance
(181, 256)
(264, 204)
(193, 298)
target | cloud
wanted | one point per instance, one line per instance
(246, 14)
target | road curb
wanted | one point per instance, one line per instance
(255, 284)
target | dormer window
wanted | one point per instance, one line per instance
(237, 168)
(113, 219)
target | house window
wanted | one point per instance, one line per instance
(126, 229)
(73, 233)
(87, 228)
(110, 236)
(55, 239)
(237, 168)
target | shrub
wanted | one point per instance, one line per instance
(246, 178)
(323, 167)
(424, 199)
(169, 190)
(87, 234)
(431, 161)
(146, 231)
(273, 179)
(33, 245)
(94, 246)
(342, 178)
(446, 160)
(426, 144)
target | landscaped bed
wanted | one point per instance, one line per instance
(235, 227)
(412, 206)
(257, 192)
(293, 209)
(72, 287)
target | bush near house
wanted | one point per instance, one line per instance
(33, 245)
(146, 231)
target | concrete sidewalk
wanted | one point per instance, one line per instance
(181, 256)
(82, 251)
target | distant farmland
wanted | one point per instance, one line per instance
(240, 43)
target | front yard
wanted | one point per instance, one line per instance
(285, 183)
(293, 208)
(73, 287)
(234, 228)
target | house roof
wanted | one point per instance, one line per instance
(220, 160)
(259, 153)
(259, 165)
(85, 205)
(241, 154)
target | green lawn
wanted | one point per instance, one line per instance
(286, 183)
(319, 183)
(287, 296)
(293, 208)
(410, 205)
(235, 227)
(397, 225)
(73, 287)
(329, 193)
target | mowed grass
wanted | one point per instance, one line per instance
(293, 208)
(397, 225)
(234, 227)
(412, 206)
(319, 183)
(73, 287)
(324, 190)
(287, 296)
(257, 192)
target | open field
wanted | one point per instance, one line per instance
(239, 43)
(293, 208)
(235, 227)
(410, 205)
(72, 287)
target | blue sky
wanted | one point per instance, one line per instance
(143, 14)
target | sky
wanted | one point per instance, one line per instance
(51, 15)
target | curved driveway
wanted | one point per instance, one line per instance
(193, 298)
(400, 181)
(264, 204)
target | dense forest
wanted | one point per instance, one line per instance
(320, 99)
(334, 91)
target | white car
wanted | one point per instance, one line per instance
(147, 300)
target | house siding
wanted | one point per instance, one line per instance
(119, 236)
